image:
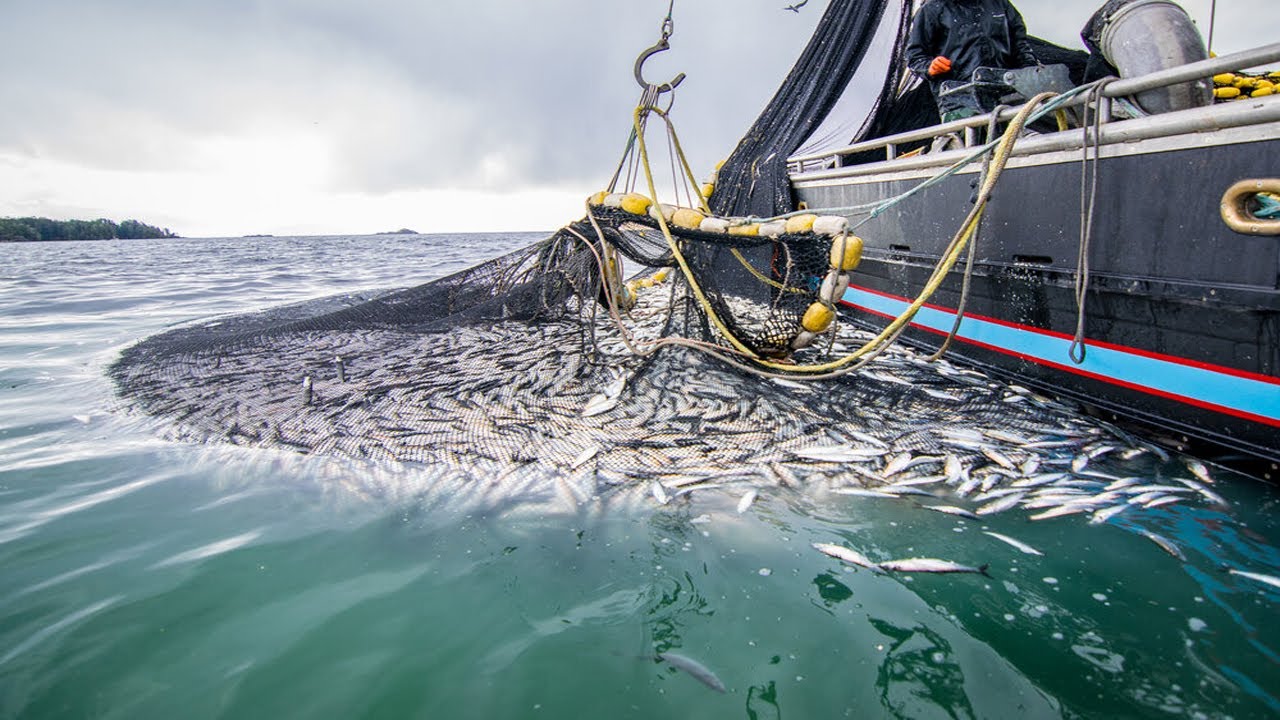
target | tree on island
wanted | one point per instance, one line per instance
(34, 229)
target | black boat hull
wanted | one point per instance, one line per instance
(1182, 320)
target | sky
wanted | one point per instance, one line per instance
(233, 117)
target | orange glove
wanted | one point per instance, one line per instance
(939, 66)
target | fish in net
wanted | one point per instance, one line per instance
(723, 362)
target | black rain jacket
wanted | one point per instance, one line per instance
(970, 33)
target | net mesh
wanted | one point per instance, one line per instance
(546, 363)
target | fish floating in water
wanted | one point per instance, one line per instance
(1259, 577)
(1015, 543)
(840, 552)
(524, 402)
(930, 565)
(909, 565)
(695, 669)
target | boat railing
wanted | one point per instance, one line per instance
(970, 127)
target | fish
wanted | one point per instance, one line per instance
(585, 457)
(747, 498)
(839, 454)
(1268, 579)
(840, 552)
(863, 492)
(1208, 494)
(598, 405)
(896, 464)
(868, 439)
(915, 481)
(998, 458)
(1105, 514)
(1199, 469)
(1165, 544)
(999, 505)
(931, 565)
(953, 510)
(660, 493)
(697, 670)
(1062, 511)
(1005, 436)
(952, 468)
(900, 490)
(1015, 543)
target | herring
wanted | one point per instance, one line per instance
(840, 552)
(747, 498)
(1015, 543)
(1268, 579)
(931, 565)
(952, 510)
(697, 670)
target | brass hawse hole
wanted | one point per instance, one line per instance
(1243, 200)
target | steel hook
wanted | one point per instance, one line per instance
(662, 46)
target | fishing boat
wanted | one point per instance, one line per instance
(1123, 260)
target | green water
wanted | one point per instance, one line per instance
(143, 578)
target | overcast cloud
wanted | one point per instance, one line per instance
(312, 116)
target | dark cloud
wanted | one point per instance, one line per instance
(482, 94)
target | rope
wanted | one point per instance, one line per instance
(878, 207)
(1002, 151)
(992, 126)
(1088, 204)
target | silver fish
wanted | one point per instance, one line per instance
(952, 468)
(1268, 579)
(1016, 543)
(840, 552)
(862, 492)
(837, 454)
(696, 669)
(915, 481)
(1210, 495)
(999, 459)
(1105, 514)
(998, 506)
(896, 464)
(1005, 436)
(1199, 469)
(585, 457)
(1061, 511)
(598, 405)
(930, 565)
(953, 510)
(747, 498)
(1165, 545)
(660, 493)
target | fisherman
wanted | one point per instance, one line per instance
(951, 38)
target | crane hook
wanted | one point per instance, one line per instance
(661, 46)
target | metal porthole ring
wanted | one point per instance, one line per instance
(1235, 207)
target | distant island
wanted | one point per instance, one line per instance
(401, 231)
(36, 229)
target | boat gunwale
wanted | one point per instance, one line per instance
(1118, 88)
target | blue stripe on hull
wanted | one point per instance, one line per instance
(1199, 385)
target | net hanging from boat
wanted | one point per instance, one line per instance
(550, 363)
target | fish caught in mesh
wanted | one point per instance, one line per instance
(522, 376)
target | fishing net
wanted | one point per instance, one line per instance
(555, 362)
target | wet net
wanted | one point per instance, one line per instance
(554, 362)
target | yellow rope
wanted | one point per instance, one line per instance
(890, 333)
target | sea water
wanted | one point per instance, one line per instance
(142, 577)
